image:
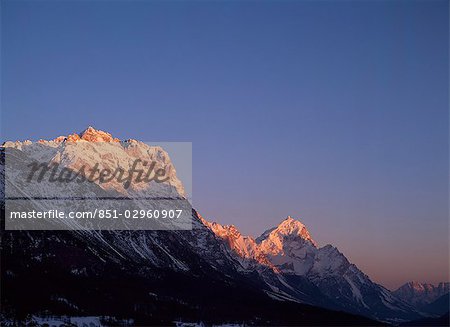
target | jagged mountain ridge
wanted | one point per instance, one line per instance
(92, 147)
(420, 294)
(284, 263)
(289, 250)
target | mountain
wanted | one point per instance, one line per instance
(323, 272)
(420, 294)
(209, 273)
(94, 150)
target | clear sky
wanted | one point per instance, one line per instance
(334, 112)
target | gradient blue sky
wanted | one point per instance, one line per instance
(335, 112)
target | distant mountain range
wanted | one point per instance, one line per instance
(426, 298)
(323, 275)
(419, 294)
(211, 273)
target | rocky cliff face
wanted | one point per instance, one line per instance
(97, 150)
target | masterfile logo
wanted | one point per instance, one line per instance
(88, 184)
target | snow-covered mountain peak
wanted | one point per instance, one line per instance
(290, 226)
(96, 150)
(90, 134)
(288, 229)
(93, 135)
(289, 251)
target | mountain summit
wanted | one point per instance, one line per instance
(320, 272)
(288, 228)
(93, 135)
(95, 148)
(90, 134)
